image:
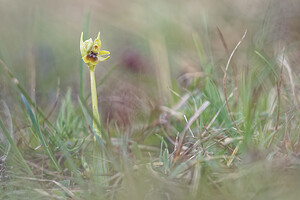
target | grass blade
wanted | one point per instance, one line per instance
(268, 64)
(81, 69)
(23, 92)
(39, 133)
(15, 148)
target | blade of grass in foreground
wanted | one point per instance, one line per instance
(85, 33)
(99, 152)
(104, 143)
(71, 164)
(15, 149)
(200, 49)
(39, 133)
(268, 64)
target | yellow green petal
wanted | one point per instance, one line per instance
(100, 59)
(103, 52)
(88, 44)
(81, 44)
(97, 44)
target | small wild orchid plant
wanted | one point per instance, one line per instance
(92, 54)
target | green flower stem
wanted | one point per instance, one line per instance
(96, 118)
(92, 55)
(100, 165)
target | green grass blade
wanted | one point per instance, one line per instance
(15, 149)
(81, 69)
(268, 64)
(200, 49)
(39, 133)
(23, 92)
(88, 115)
(107, 75)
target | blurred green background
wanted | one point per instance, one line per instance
(152, 44)
(45, 34)
(40, 39)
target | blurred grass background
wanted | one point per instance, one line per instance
(45, 34)
(160, 51)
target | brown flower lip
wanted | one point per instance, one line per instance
(92, 56)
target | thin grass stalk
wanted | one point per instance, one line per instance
(15, 149)
(24, 93)
(40, 134)
(81, 69)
